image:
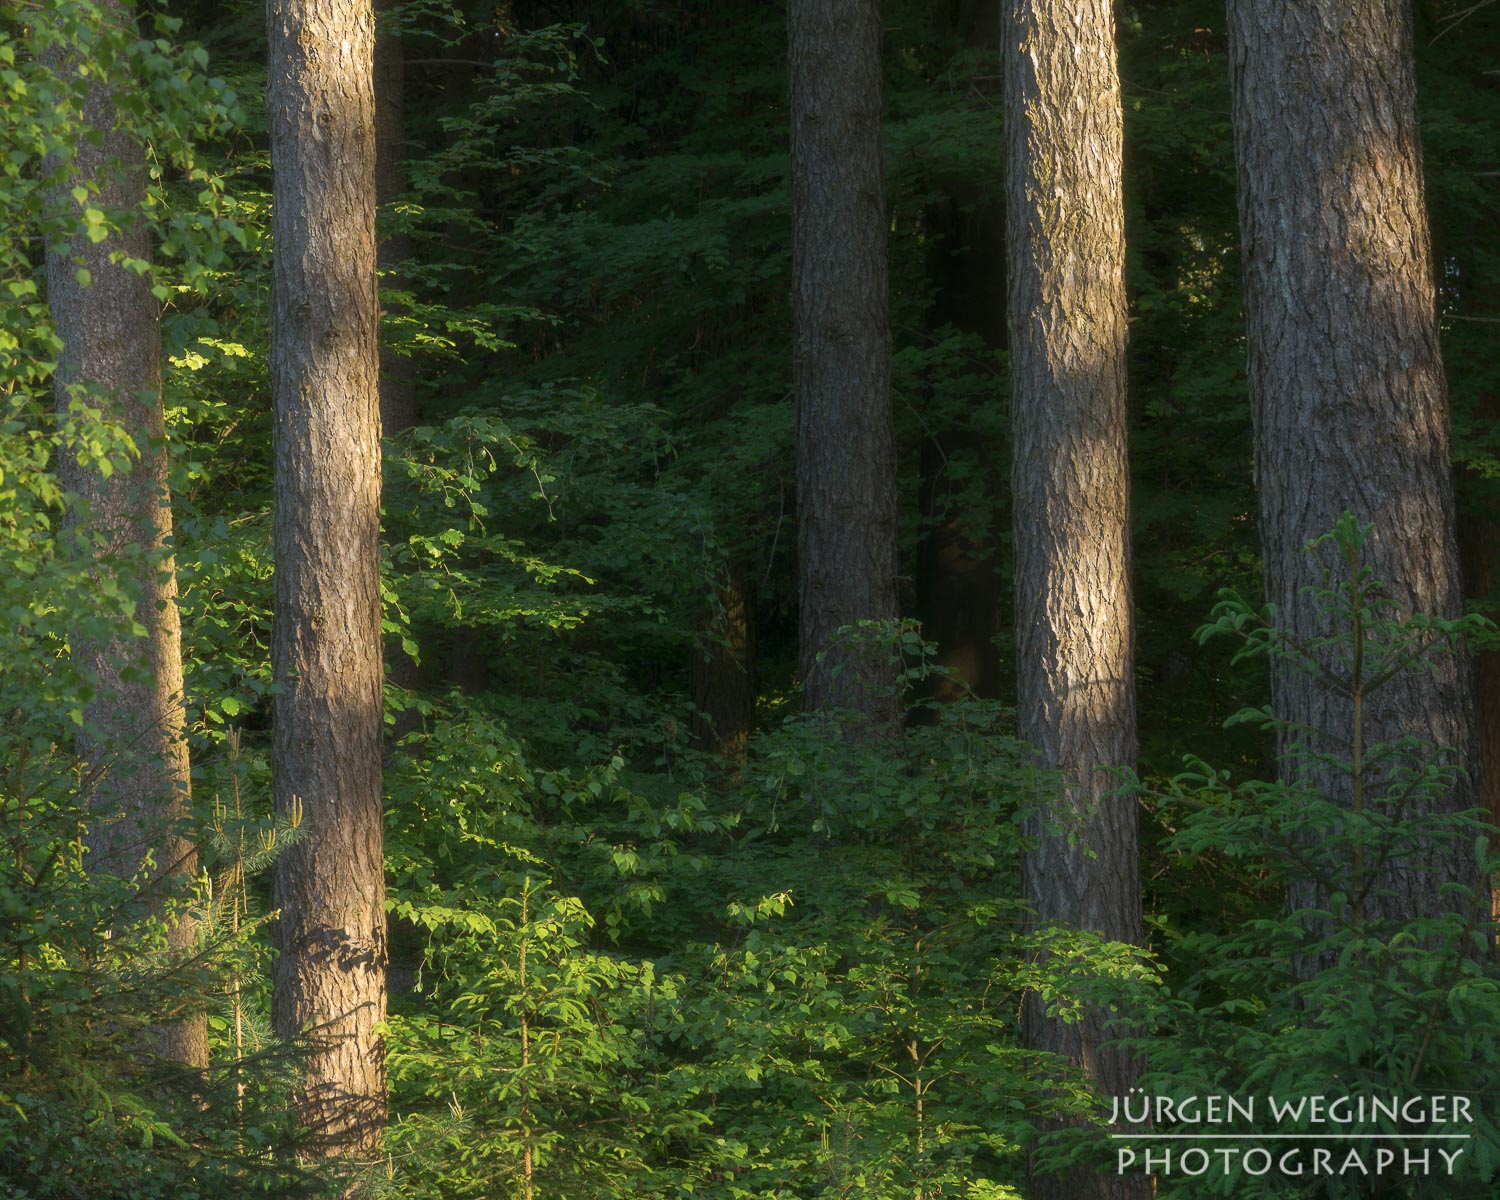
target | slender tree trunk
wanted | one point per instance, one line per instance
(134, 744)
(1479, 558)
(1065, 232)
(958, 592)
(1479, 544)
(1479, 538)
(846, 456)
(1346, 378)
(721, 675)
(398, 399)
(326, 647)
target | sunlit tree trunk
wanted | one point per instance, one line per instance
(134, 744)
(846, 457)
(326, 646)
(1070, 490)
(1346, 379)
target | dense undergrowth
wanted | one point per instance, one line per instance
(623, 966)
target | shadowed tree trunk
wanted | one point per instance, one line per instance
(326, 646)
(846, 456)
(958, 592)
(1480, 549)
(134, 744)
(721, 674)
(1346, 379)
(1479, 532)
(1479, 553)
(1070, 489)
(1479, 543)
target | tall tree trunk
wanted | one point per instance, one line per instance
(1479, 559)
(958, 592)
(1065, 232)
(398, 399)
(846, 454)
(1479, 546)
(326, 645)
(721, 675)
(1346, 378)
(1479, 535)
(134, 742)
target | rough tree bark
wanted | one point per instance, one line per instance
(1346, 380)
(1070, 490)
(134, 746)
(846, 455)
(721, 673)
(326, 646)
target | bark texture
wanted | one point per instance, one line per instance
(1346, 380)
(134, 747)
(1070, 492)
(326, 646)
(398, 393)
(721, 675)
(846, 454)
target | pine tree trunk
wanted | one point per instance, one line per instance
(326, 646)
(1346, 378)
(134, 746)
(1070, 489)
(721, 675)
(1478, 504)
(398, 399)
(1479, 547)
(846, 456)
(958, 592)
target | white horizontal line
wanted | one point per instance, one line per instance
(1325, 1137)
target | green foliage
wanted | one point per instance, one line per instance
(87, 973)
(1330, 1000)
(802, 980)
(623, 969)
(85, 979)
